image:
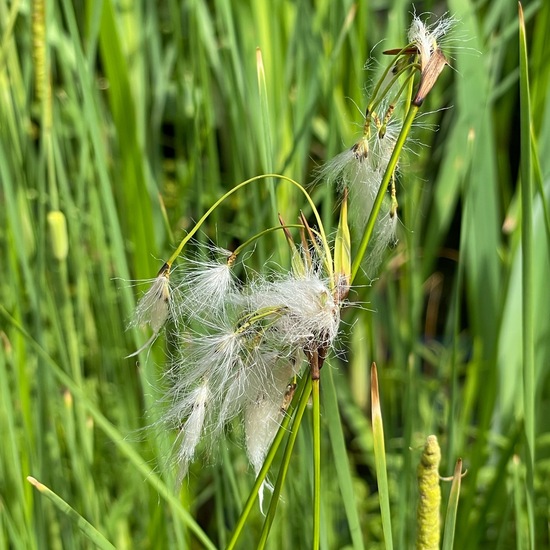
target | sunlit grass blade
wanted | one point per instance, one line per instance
(452, 508)
(85, 526)
(344, 470)
(380, 458)
(136, 212)
(342, 245)
(528, 302)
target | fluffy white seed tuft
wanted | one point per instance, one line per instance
(385, 235)
(154, 309)
(427, 37)
(190, 433)
(238, 353)
(206, 286)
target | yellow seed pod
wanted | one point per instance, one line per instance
(58, 233)
(429, 498)
(342, 251)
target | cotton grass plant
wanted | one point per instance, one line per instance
(121, 122)
(240, 343)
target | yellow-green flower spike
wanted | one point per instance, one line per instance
(429, 498)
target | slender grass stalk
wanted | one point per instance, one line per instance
(519, 491)
(253, 495)
(316, 465)
(452, 508)
(85, 526)
(369, 228)
(197, 226)
(267, 149)
(380, 458)
(285, 464)
(527, 262)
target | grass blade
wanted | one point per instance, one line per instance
(528, 303)
(85, 526)
(341, 459)
(380, 458)
(452, 508)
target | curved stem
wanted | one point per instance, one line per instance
(197, 226)
(259, 235)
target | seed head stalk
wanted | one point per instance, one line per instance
(326, 246)
(302, 390)
(316, 464)
(367, 234)
(285, 464)
(376, 90)
(375, 103)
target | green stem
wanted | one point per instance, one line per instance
(527, 262)
(380, 459)
(283, 430)
(285, 464)
(381, 80)
(382, 191)
(259, 235)
(198, 225)
(374, 105)
(316, 465)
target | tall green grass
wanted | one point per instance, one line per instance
(125, 122)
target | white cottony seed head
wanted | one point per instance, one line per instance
(361, 168)
(263, 415)
(309, 316)
(427, 37)
(190, 433)
(154, 307)
(205, 287)
(240, 346)
(385, 235)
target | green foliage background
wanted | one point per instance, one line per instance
(154, 111)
